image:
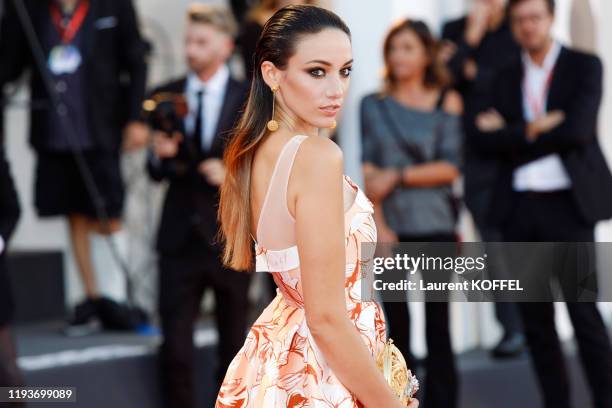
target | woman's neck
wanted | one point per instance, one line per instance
(292, 125)
(410, 86)
(413, 94)
(303, 129)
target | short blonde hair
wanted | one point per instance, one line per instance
(216, 16)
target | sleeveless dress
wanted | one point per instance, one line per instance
(279, 364)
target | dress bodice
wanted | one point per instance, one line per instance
(284, 263)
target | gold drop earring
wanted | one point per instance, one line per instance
(273, 124)
(333, 125)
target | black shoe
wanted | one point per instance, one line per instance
(118, 316)
(511, 346)
(84, 320)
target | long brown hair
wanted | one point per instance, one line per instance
(276, 44)
(436, 74)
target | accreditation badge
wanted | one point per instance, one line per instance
(64, 59)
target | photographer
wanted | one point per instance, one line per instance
(189, 157)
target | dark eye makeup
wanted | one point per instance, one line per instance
(320, 72)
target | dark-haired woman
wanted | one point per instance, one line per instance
(285, 193)
(411, 150)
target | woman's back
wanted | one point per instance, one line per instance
(273, 226)
(273, 195)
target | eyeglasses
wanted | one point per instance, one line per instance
(529, 18)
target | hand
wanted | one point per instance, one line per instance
(135, 136)
(490, 121)
(384, 182)
(386, 239)
(213, 170)
(544, 124)
(165, 146)
(386, 235)
(446, 51)
(470, 69)
(477, 23)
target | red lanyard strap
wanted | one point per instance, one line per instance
(68, 31)
(537, 106)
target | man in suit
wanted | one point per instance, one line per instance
(554, 182)
(95, 59)
(191, 160)
(476, 47)
(9, 215)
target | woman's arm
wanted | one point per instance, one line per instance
(385, 233)
(445, 170)
(379, 182)
(432, 174)
(319, 213)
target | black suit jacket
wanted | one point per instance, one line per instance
(114, 63)
(576, 89)
(496, 51)
(191, 203)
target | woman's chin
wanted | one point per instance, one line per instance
(325, 123)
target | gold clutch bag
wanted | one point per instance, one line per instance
(392, 364)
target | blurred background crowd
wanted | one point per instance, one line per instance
(467, 120)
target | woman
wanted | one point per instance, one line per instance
(284, 189)
(411, 148)
(251, 29)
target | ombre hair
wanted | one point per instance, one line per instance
(276, 44)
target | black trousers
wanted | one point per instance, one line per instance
(183, 278)
(553, 217)
(6, 294)
(441, 382)
(507, 313)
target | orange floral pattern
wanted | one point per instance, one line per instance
(279, 364)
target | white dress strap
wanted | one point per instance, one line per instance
(276, 225)
(283, 260)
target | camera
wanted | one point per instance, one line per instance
(165, 111)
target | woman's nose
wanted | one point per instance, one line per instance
(335, 89)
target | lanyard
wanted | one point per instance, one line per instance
(536, 105)
(68, 31)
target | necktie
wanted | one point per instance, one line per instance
(199, 122)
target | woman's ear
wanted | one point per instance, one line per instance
(271, 75)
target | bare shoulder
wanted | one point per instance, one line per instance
(319, 153)
(453, 103)
(318, 161)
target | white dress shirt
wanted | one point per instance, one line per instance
(214, 93)
(546, 173)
